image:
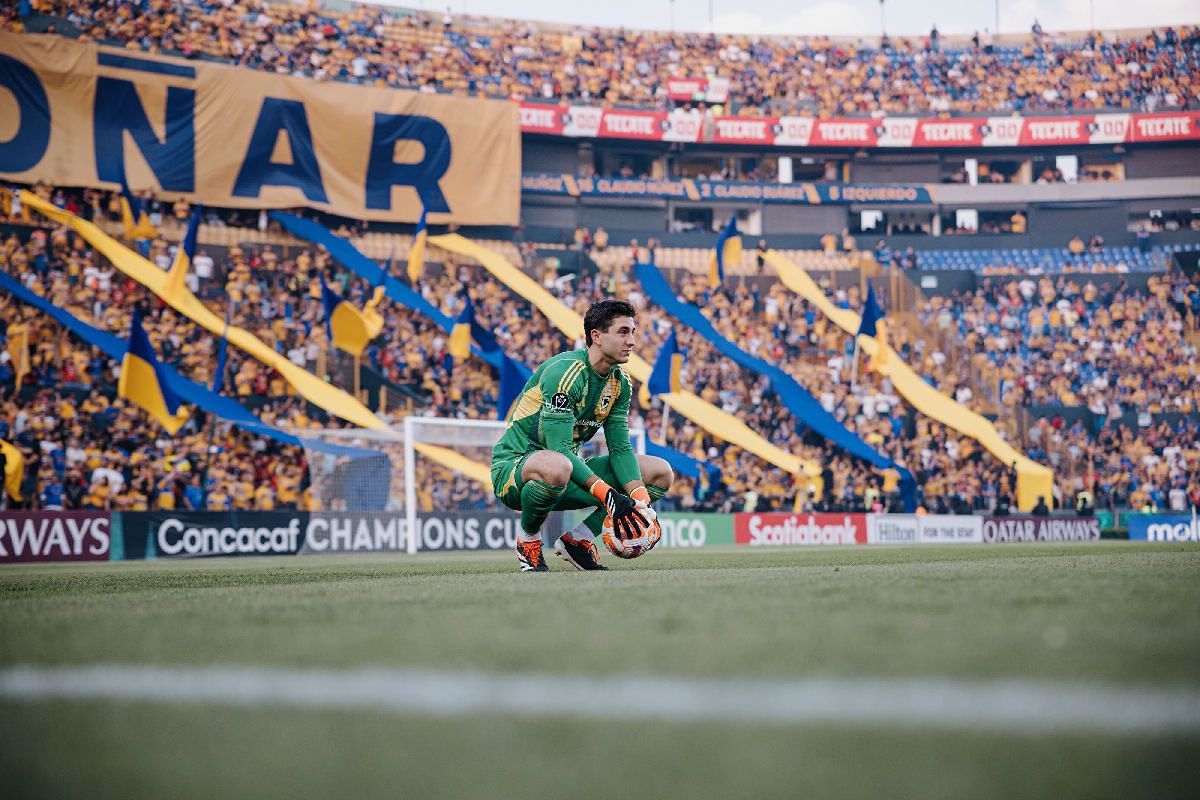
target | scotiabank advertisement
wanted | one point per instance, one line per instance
(54, 536)
(777, 529)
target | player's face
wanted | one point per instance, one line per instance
(617, 343)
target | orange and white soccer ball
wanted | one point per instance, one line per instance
(623, 547)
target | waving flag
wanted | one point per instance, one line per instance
(14, 470)
(727, 252)
(512, 382)
(460, 334)
(222, 350)
(176, 279)
(135, 217)
(416, 256)
(346, 326)
(143, 381)
(18, 350)
(664, 378)
(873, 325)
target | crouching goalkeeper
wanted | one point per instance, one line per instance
(536, 466)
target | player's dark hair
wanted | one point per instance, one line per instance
(600, 316)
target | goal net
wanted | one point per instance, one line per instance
(401, 480)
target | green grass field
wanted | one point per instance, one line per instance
(1105, 614)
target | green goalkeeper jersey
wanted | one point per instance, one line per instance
(562, 405)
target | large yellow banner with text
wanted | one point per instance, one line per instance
(77, 114)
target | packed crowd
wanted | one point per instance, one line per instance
(780, 75)
(1051, 341)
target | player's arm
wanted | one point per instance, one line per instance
(563, 386)
(621, 457)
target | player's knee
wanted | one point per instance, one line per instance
(549, 467)
(657, 472)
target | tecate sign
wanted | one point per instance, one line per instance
(178, 538)
(796, 529)
(54, 536)
(1163, 529)
(1041, 529)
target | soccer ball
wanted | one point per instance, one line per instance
(623, 547)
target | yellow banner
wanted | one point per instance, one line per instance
(1033, 479)
(320, 393)
(82, 115)
(712, 419)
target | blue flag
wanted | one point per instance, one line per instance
(512, 383)
(222, 352)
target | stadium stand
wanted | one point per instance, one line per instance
(506, 58)
(1092, 377)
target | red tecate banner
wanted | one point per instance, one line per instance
(845, 133)
(54, 536)
(543, 119)
(744, 130)
(709, 90)
(648, 125)
(886, 132)
(778, 529)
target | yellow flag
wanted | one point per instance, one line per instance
(18, 350)
(14, 469)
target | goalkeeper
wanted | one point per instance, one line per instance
(536, 466)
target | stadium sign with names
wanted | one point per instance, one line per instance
(691, 189)
(886, 132)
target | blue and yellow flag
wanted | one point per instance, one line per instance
(460, 334)
(135, 217)
(664, 378)
(346, 326)
(143, 380)
(176, 279)
(727, 252)
(14, 470)
(416, 256)
(371, 309)
(872, 324)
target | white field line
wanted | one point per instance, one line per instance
(1016, 706)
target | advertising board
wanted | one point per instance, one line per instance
(1040, 529)
(1156, 528)
(54, 536)
(778, 529)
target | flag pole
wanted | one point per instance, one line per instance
(357, 375)
(218, 382)
(854, 366)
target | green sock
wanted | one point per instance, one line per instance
(537, 500)
(595, 520)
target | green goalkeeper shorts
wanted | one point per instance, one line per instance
(507, 483)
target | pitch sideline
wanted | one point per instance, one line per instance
(1016, 706)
